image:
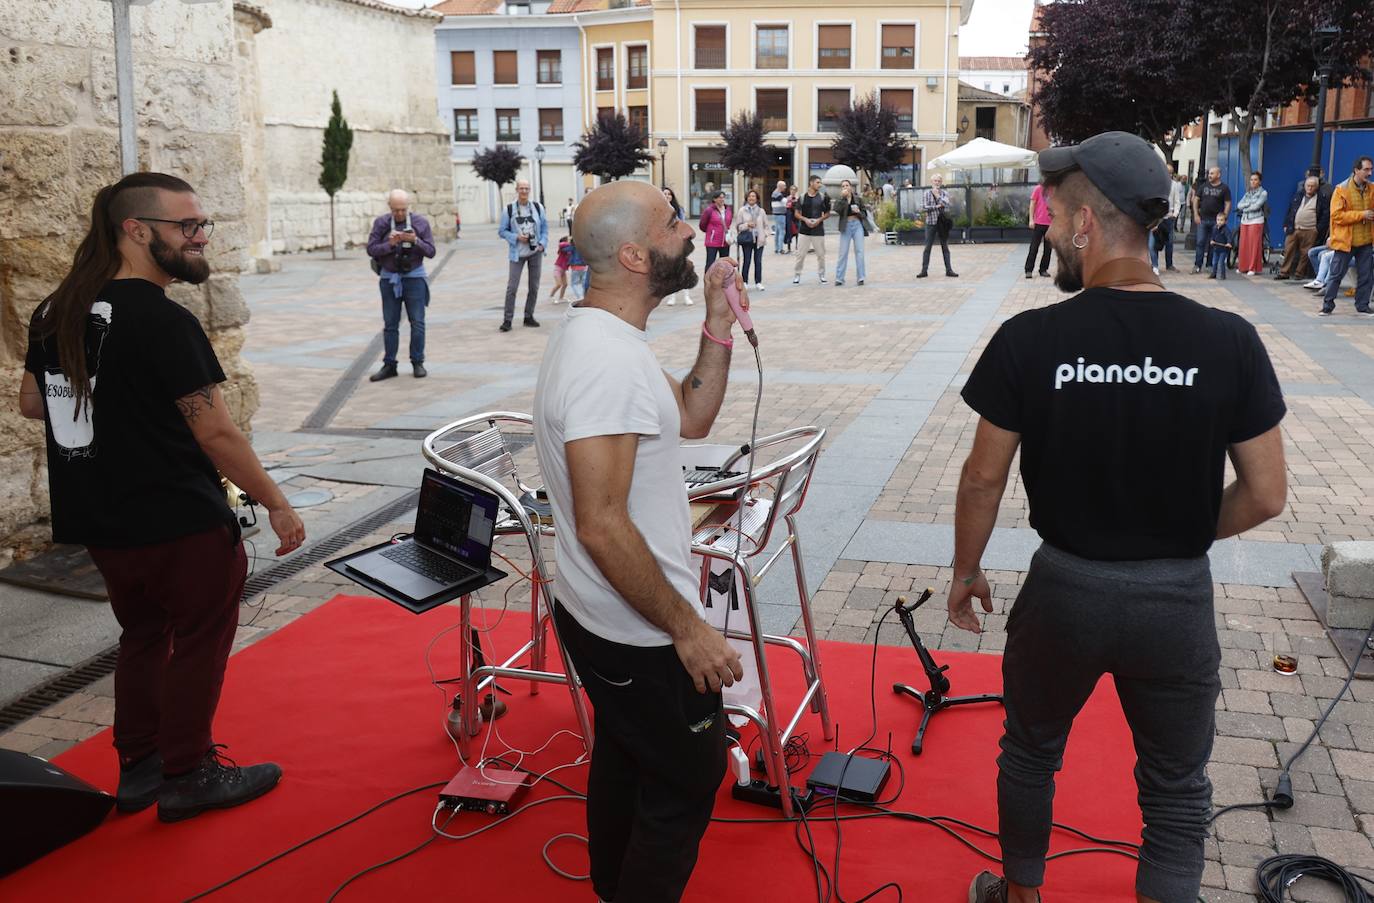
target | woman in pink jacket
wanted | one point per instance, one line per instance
(715, 225)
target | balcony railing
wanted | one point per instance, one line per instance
(708, 58)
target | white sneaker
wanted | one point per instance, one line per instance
(688, 301)
(1155, 270)
(796, 280)
(758, 286)
(1314, 284)
(672, 299)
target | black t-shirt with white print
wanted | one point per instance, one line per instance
(1126, 403)
(127, 471)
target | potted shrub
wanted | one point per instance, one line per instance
(908, 231)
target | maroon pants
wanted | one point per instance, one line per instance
(178, 605)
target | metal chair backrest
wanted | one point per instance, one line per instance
(789, 476)
(485, 459)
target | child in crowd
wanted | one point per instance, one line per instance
(560, 270)
(577, 265)
(1220, 248)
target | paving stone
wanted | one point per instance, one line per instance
(24, 743)
(1292, 839)
(1243, 751)
(1269, 682)
(1243, 854)
(1247, 701)
(1353, 765)
(1233, 783)
(1319, 810)
(1346, 848)
(1244, 826)
(1259, 727)
(1315, 760)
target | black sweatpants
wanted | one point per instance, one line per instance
(1151, 626)
(1037, 237)
(657, 763)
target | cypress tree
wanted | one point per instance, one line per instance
(338, 141)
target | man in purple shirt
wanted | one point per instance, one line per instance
(399, 243)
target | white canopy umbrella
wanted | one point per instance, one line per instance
(982, 152)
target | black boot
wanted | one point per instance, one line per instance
(387, 371)
(921, 275)
(139, 784)
(418, 369)
(217, 784)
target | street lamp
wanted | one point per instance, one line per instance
(662, 163)
(963, 125)
(792, 149)
(539, 170)
(1326, 38)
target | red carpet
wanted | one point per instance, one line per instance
(342, 700)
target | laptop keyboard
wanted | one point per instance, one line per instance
(426, 563)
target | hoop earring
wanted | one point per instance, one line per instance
(1076, 237)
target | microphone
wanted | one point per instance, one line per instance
(732, 296)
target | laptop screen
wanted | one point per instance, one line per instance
(456, 518)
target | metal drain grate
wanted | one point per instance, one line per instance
(58, 689)
(82, 676)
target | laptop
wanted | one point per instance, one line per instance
(450, 551)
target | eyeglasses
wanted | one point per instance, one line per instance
(189, 227)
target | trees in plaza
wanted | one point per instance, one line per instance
(612, 148)
(744, 151)
(867, 137)
(498, 164)
(1151, 66)
(1122, 65)
(338, 141)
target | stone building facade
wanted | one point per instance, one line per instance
(380, 58)
(59, 143)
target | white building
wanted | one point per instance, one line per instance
(1006, 75)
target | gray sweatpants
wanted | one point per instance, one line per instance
(534, 261)
(1149, 624)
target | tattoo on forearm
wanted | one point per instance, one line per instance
(696, 382)
(191, 405)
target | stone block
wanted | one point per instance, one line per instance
(19, 475)
(1349, 570)
(191, 297)
(227, 306)
(40, 85)
(171, 95)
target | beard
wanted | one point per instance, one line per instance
(1068, 271)
(190, 268)
(671, 273)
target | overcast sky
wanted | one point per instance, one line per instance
(996, 28)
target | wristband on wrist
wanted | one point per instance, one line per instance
(968, 581)
(726, 342)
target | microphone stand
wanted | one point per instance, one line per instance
(934, 699)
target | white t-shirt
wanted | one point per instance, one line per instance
(600, 378)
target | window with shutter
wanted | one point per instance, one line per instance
(551, 124)
(504, 70)
(549, 65)
(833, 47)
(829, 102)
(507, 125)
(899, 47)
(710, 115)
(464, 66)
(900, 101)
(710, 47)
(605, 69)
(771, 105)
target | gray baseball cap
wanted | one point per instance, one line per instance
(1122, 166)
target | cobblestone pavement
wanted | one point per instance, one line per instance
(880, 367)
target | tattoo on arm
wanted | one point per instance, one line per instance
(190, 405)
(696, 382)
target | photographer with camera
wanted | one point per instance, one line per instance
(525, 228)
(399, 243)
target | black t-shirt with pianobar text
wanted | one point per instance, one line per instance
(812, 208)
(1212, 199)
(1126, 403)
(127, 471)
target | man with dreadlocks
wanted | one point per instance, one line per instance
(128, 386)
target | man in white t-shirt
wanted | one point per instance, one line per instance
(608, 424)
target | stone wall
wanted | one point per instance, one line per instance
(380, 59)
(59, 143)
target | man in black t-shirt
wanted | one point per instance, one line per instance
(811, 210)
(1210, 199)
(127, 385)
(1125, 401)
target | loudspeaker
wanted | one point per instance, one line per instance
(44, 808)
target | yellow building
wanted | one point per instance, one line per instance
(796, 65)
